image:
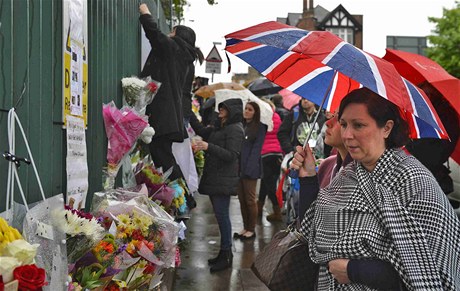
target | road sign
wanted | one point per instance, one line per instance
(213, 67)
(214, 56)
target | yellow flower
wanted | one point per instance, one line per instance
(124, 219)
(121, 234)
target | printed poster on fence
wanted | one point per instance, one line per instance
(76, 162)
(75, 63)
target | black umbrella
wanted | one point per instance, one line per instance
(263, 86)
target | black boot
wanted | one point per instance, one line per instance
(214, 260)
(224, 261)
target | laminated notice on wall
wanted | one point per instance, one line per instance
(76, 163)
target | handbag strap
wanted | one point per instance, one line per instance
(293, 229)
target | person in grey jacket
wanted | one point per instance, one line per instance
(222, 146)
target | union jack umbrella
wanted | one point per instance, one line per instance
(323, 68)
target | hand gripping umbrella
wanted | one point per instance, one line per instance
(323, 68)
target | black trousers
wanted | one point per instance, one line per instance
(162, 156)
(271, 169)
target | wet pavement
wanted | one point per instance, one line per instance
(202, 242)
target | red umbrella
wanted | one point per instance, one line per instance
(417, 69)
(322, 67)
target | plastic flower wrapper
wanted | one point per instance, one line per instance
(138, 93)
(133, 209)
(39, 229)
(83, 231)
(156, 182)
(123, 127)
(164, 196)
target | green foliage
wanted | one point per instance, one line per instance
(178, 8)
(446, 40)
(89, 277)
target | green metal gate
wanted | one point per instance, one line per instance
(31, 81)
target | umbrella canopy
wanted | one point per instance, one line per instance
(319, 65)
(266, 111)
(417, 69)
(290, 99)
(263, 86)
(208, 90)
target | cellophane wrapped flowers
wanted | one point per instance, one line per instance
(138, 93)
(83, 231)
(123, 127)
(140, 242)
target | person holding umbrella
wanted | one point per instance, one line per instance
(385, 206)
(312, 179)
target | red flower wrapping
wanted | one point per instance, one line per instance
(30, 277)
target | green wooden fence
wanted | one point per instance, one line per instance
(31, 81)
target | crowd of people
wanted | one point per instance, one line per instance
(374, 211)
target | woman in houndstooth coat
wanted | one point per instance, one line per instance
(385, 206)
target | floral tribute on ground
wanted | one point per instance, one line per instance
(17, 265)
(139, 242)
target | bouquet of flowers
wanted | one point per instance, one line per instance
(83, 231)
(123, 127)
(17, 267)
(138, 93)
(179, 202)
(169, 194)
(140, 242)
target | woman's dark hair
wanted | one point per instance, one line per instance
(189, 36)
(252, 127)
(381, 110)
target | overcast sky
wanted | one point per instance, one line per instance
(380, 18)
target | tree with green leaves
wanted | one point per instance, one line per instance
(445, 49)
(178, 8)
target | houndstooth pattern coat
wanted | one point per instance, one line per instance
(396, 213)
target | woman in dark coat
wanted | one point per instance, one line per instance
(251, 168)
(220, 174)
(171, 62)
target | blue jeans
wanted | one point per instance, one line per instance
(221, 207)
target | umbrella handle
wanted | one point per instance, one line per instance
(294, 173)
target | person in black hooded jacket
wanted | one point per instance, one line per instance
(171, 62)
(222, 145)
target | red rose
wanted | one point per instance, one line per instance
(152, 87)
(30, 277)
